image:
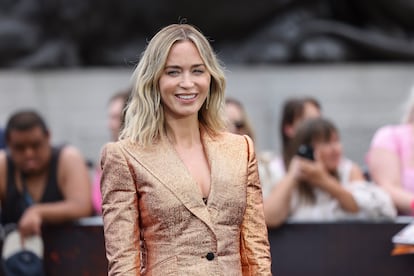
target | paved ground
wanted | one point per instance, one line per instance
(359, 99)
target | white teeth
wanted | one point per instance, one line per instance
(186, 97)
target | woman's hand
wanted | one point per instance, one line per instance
(30, 222)
(312, 172)
(294, 172)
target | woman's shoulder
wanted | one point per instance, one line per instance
(387, 135)
(402, 129)
(119, 146)
(229, 137)
(231, 140)
(231, 148)
(388, 130)
(112, 146)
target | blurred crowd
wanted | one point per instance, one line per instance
(310, 179)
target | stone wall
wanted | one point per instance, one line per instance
(87, 33)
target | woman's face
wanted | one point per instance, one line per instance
(329, 152)
(235, 121)
(310, 111)
(185, 82)
(114, 117)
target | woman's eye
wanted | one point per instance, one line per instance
(198, 71)
(173, 73)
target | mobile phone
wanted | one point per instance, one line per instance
(305, 151)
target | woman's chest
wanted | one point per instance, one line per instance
(176, 200)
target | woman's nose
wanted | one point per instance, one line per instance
(186, 81)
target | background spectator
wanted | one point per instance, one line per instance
(2, 139)
(319, 183)
(237, 120)
(116, 105)
(40, 183)
(294, 111)
(391, 159)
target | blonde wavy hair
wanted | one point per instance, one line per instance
(144, 114)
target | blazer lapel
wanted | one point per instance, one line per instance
(163, 162)
(224, 170)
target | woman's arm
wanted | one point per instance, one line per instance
(385, 170)
(120, 213)
(254, 247)
(345, 198)
(74, 183)
(316, 175)
(356, 173)
(277, 204)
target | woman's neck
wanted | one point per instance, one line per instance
(183, 134)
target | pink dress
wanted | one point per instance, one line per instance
(399, 140)
(96, 192)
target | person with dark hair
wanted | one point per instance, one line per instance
(322, 185)
(40, 183)
(2, 139)
(116, 107)
(294, 111)
(180, 195)
(237, 121)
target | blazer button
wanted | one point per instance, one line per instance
(210, 256)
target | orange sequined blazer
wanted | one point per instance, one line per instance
(155, 220)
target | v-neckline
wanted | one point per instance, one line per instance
(23, 189)
(204, 199)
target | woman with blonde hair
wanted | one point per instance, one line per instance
(180, 195)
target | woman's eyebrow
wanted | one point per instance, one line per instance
(172, 66)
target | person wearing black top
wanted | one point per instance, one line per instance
(38, 182)
(2, 140)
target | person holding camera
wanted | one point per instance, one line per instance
(317, 184)
(294, 111)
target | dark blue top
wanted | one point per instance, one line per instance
(2, 139)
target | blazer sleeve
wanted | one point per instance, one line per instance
(120, 213)
(255, 249)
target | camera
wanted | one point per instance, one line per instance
(305, 151)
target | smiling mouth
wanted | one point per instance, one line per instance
(187, 96)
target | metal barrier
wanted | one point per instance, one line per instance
(341, 248)
(345, 248)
